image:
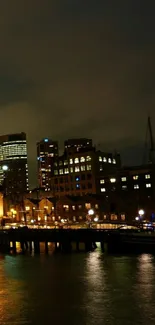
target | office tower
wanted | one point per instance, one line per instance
(13, 164)
(47, 151)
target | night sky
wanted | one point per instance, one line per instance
(73, 68)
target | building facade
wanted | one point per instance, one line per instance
(47, 151)
(13, 164)
(135, 186)
(78, 170)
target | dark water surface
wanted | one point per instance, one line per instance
(78, 289)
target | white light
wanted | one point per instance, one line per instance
(5, 167)
(137, 218)
(95, 219)
(113, 180)
(91, 212)
(141, 212)
(32, 221)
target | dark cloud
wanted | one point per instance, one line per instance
(78, 68)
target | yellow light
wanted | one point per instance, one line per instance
(27, 208)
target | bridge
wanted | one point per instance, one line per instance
(67, 240)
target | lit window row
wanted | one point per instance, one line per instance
(81, 159)
(136, 186)
(135, 177)
(109, 160)
(87, 206)
(76, 169)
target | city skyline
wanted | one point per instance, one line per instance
(75, 69)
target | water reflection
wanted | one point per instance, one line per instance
(145, 286)
(75, 289)
(96, 295)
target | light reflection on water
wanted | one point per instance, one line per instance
(77, 289)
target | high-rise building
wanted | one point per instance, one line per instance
(13, 164)
(47, 151)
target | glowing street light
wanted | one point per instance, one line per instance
(91, 212)
(5, 168)
(96, 219)
(141, 212)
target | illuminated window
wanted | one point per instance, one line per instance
(56, 172)
(66, 170)
(87, 206)
(71, 170)
(123, 179)
(73, 207)
(100, 159)
(96, 206)
(112, 180)
(77, 169)
(83, 168)
(60, 171)
(76, 160)
(148, 185)
(109, 160)
(135, 177)
(124, 187)
(104, 217)
(104, 159)
(136, 187)
(147, 176)
(102, 181)
(66, 207)
(122, 217)
(82, 159)
(88, 167)
(88, 158)
(101, 168)
(113, 217)
(114, 161)
(65, 162)
(103, 189)
(71, 161)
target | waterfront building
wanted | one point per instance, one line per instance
(13, 165)
(77, 171)
(47, 151)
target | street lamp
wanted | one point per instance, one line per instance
(90, 214)
(5, 168)
(141, 212)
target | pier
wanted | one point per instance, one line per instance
(68, 240)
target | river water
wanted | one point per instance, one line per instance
(77, 289)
